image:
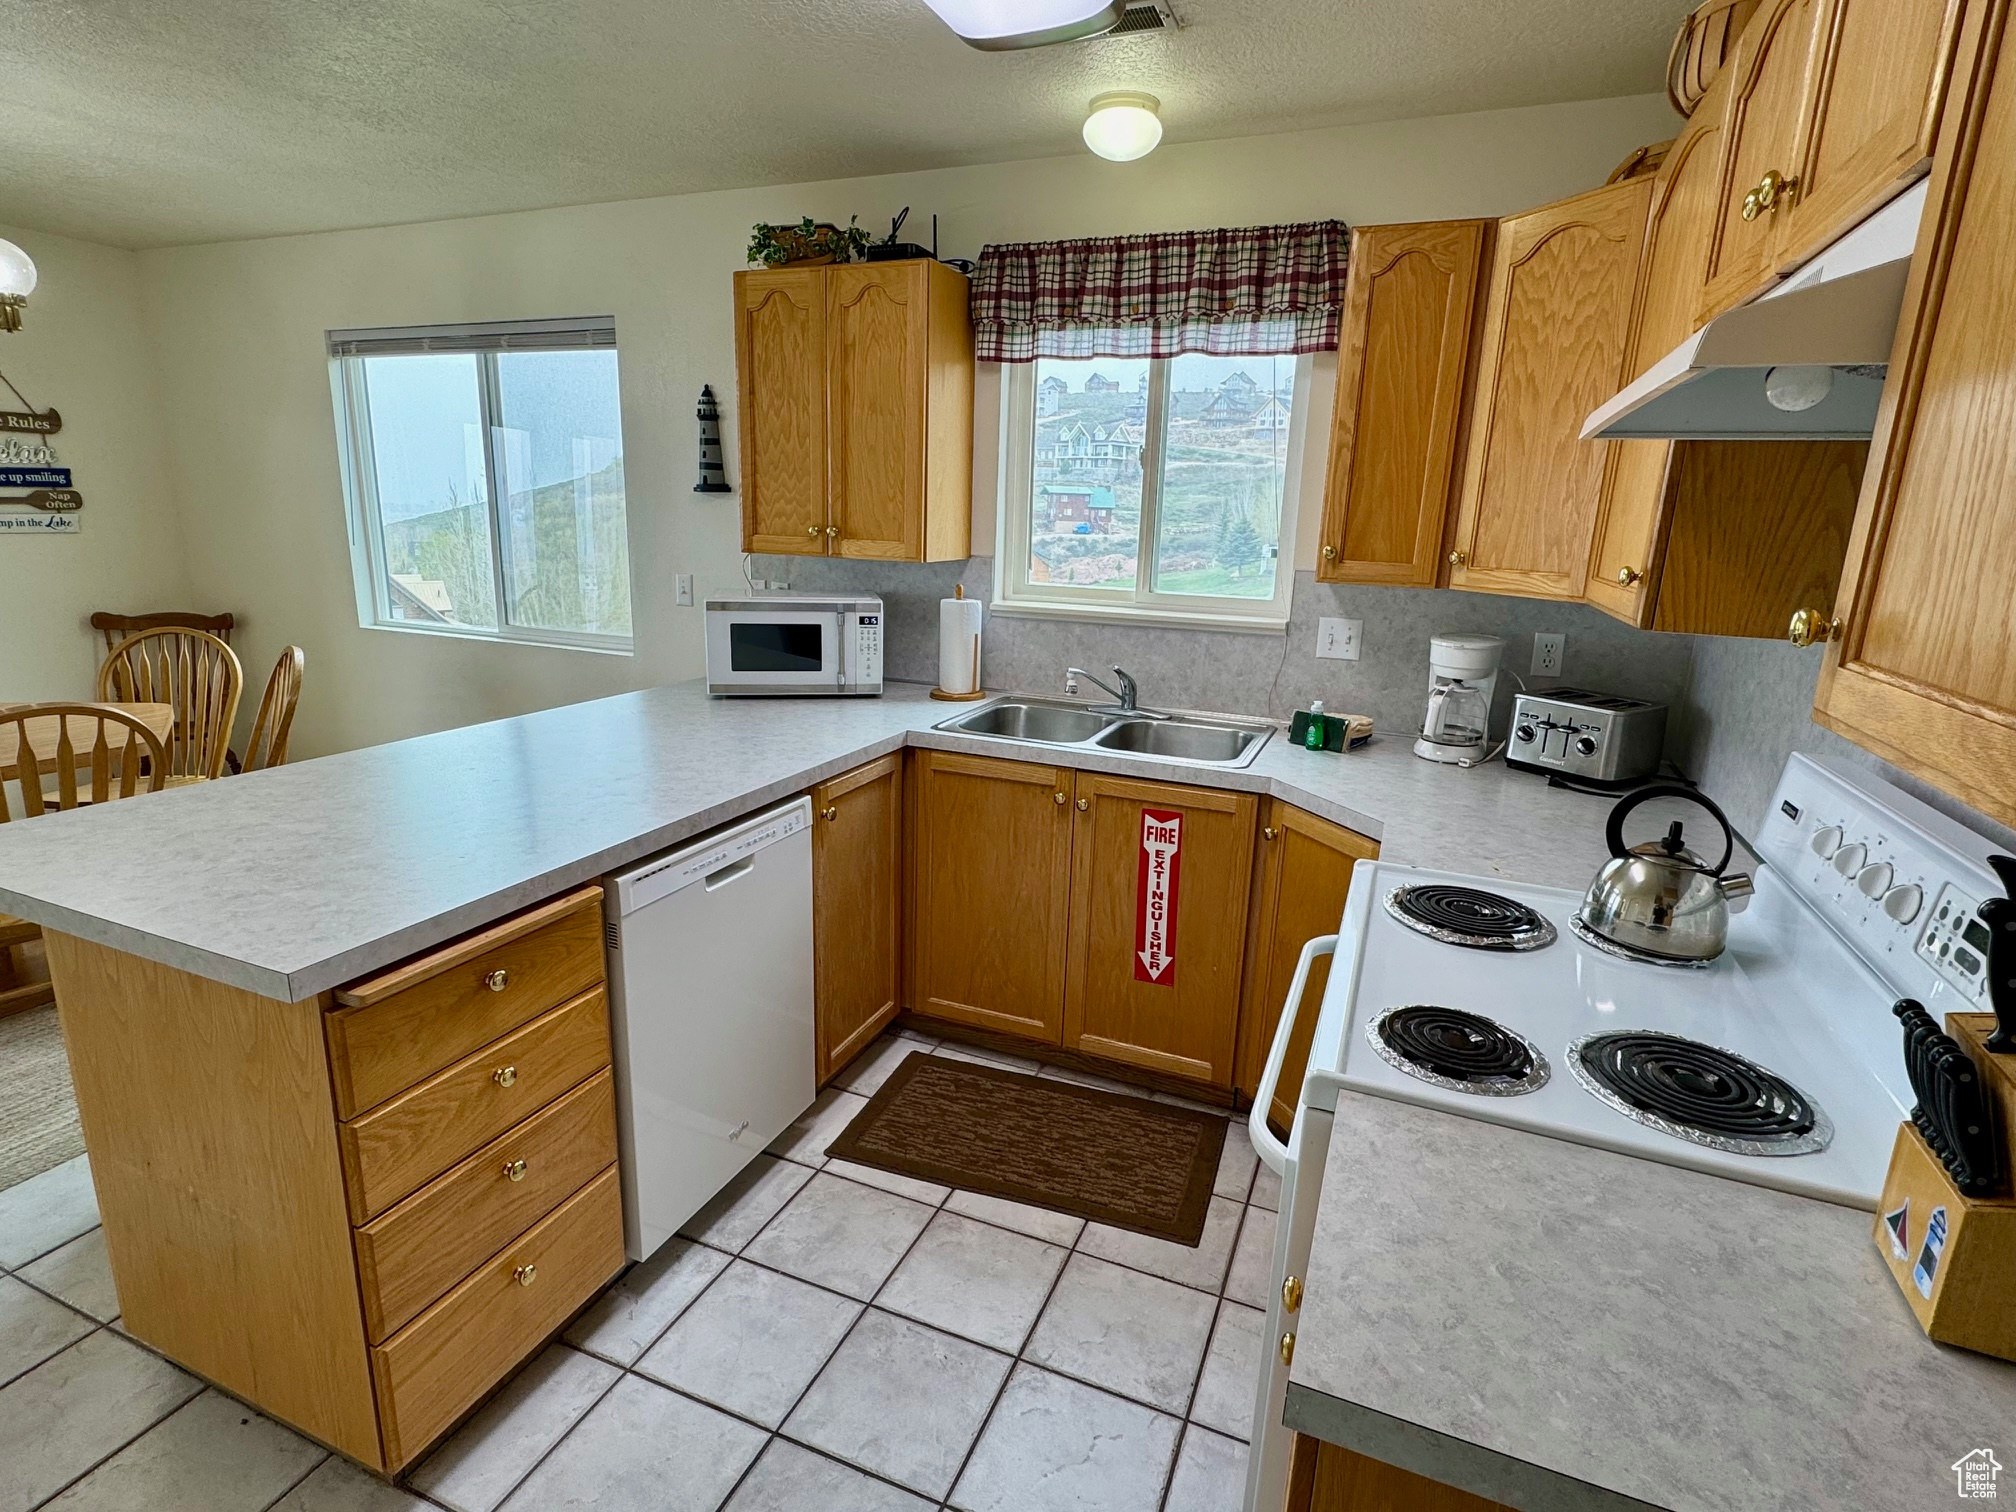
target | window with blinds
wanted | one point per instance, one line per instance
(483, 474)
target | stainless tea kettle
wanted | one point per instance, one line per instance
(1659, 899)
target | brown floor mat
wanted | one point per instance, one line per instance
(1115, 1159)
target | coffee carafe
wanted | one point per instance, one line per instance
(1462, 677)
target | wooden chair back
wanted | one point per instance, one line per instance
(275, 721)
(193, 671)
(116, 627)
(117, 754)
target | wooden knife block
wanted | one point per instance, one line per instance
(1971, 1297)
(1997, 1071)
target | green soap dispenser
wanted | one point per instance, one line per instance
(1315, 736)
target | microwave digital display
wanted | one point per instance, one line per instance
(775, 647)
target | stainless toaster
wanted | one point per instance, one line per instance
(1595, 737)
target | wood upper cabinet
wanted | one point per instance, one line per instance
(780, 346)
(1170, 865)
(857, 865)
(856, 388)
(1302, 875)
(1403, 366)
(1552, 350)
(1924, 671)
(991, 885)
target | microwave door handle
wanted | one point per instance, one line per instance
(843, 651)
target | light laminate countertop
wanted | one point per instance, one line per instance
(292, 881)
(1566, 1328)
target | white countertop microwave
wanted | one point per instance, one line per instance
(794, 643)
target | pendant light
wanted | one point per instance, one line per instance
(17, 282)
(1123, 125)
(1005, 25)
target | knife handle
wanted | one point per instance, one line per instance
(1999, 914)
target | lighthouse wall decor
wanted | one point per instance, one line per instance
(712, 478)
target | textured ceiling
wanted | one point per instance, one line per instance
(142, 124)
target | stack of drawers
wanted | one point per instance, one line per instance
(478, 1136)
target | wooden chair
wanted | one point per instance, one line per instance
(121, 755)
(116, 627)
(276, 712)
(196, 673)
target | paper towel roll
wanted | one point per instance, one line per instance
(959, 645)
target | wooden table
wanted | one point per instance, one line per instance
(42, 740)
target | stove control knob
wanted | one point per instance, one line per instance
(1874, 880)
(1849, 859)
(1903, 903)
(1826, 841)
(1526, 734)
(1585, 745)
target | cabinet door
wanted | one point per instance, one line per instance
(857, 859)
(1872, 114)
(780, 377)
(1623, 570)
(1552, 350)
(992, 882)
(1302, 878)
(1409, 303)
(1325, 1477)
(1760, 131)
(1924, 672)
(877, 317)
(1160, 877)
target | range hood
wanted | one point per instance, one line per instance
(1804, 362)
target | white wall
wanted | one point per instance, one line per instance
(82, 352)
(238, 331)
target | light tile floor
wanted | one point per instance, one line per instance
(823, 1337)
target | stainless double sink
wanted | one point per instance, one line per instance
(1056, 722)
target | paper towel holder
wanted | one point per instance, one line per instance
(959, 591)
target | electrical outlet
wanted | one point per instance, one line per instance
(1337, 639)
(1547, 653)
(682, 589)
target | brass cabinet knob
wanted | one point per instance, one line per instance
(1773, 187)
(1291, 1294)
(1269, 832)
(1329, 553)
(812, 530)
(497, 980)
(1751, 208)
(514, 1170)
(526, 1274)
(1287, 1349)
(1628, 575)
(832, 532)
(505, 1076)
(829, 812)
(1084, 804)
(1458, 558)
(1812, 627)
(1061, 799)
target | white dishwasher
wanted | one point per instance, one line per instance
(710, 993)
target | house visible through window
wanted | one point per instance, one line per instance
(483, 470)
(1156, 485)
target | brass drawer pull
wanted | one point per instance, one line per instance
(829, 812)
(1270, 833)
(1329, 553)
(1061, 799)
(526, 1274)
(812, 530)
(1812, 627)
(1084, 804)
(1291, 1294)
(1287, 1349)
(832, 532)
(497, 980)
(505, 1076)
(1628, 575)
(1458, 558)
(514, 1170)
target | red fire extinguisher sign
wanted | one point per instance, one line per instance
(1155, 897)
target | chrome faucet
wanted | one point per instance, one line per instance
(1126, 696)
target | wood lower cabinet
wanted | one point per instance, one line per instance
(1923, 671)
(1326, 1477)
(1403, 368)
(1169, 867)
(990, 918)
(1552, 350)
(857, 869)
(855, 388)
(1301, 878)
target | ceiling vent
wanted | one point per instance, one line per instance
(1143, 18)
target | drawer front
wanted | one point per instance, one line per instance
(417, 1251)
(459, 1000)
(416, 1136)
(449, 1357)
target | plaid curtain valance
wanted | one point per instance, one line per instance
(1255, 291)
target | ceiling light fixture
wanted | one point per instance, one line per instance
(17, 282)
(1123, 125)
(1005, 25)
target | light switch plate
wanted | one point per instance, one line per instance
(682, 589)
(1548, 650)
(1339, 639)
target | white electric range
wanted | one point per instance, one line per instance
(1779, 1063)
